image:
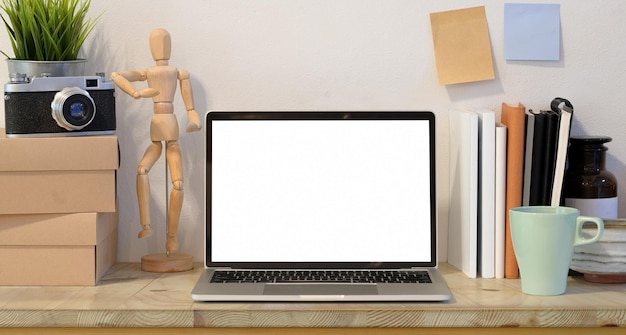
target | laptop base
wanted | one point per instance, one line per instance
(210, 292)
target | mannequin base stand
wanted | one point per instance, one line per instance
(163, 263)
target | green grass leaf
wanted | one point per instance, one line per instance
(47, 29)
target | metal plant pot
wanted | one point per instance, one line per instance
(30, 68)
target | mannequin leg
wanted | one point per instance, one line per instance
(143, 186)
(175, 164)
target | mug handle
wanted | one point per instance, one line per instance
(579, 238)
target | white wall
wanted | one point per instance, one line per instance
(343, 55)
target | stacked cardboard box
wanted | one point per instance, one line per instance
(58, 215)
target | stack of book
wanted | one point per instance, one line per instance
(495, 166)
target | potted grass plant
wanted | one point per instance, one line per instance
(47, 35)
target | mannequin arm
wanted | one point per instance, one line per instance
(187, 94)
(124, 80)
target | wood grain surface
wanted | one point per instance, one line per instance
(127, 298)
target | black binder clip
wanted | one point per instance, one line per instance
(556, 104)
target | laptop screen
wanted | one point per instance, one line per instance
(320, 189)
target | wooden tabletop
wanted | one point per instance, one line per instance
(128, 297)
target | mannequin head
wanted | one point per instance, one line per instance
(160, 46)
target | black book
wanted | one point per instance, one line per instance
(537, 188)
(544, 157)
(550, 155)
(528, 156)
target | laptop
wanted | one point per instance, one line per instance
(320, 206)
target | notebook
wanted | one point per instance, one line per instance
(320, 206)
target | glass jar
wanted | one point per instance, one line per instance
(587, 185)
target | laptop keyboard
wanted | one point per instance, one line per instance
(321, 276)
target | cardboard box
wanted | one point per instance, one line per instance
(56, 229)
(57, 192)
(57, 249)
(58, 174)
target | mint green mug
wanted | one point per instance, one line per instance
(543, 239)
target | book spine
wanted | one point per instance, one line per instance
(528, 157)
(500, 199)
(550, 156)
(561, 153)
(537, 186)
(514, 119)
(463, 210)
(486, 192)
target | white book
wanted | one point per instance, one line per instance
(565, 121)
(500, 199)
(486, 191)
(463, 210)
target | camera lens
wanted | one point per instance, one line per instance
(78, 112)
(73, 108)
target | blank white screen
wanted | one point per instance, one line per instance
(320, 191)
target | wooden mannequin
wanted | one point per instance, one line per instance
(162, 80)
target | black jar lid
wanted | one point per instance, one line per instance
(589, 143)
(590, 139)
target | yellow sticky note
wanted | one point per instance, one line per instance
(462, 45)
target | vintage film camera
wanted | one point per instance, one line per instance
(59, 106)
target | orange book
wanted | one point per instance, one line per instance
(514, 119)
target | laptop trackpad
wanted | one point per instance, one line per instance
(320, 289)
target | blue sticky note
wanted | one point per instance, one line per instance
(532, 31)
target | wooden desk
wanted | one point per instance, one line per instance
(127, 298)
